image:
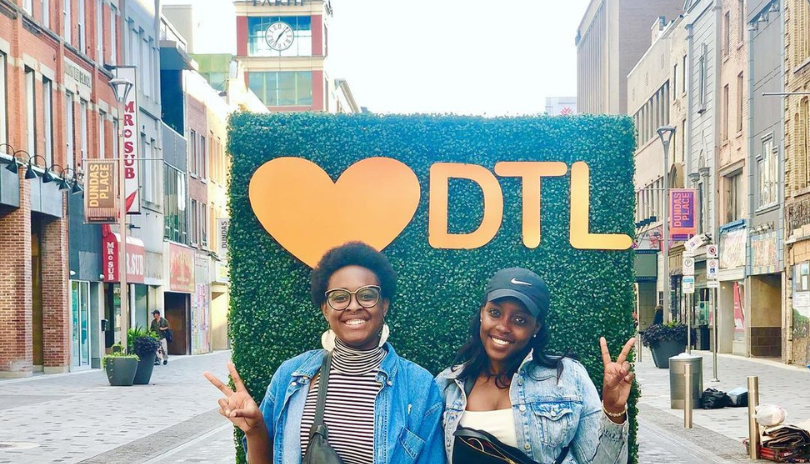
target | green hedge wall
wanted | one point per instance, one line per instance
(271, 315)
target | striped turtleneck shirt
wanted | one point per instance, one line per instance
(349, 409)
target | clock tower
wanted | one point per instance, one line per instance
(284, 47)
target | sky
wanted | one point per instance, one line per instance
(484, 57)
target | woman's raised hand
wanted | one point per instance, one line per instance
(618, 378)
(238, 406)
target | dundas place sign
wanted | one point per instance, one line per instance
(292, 196)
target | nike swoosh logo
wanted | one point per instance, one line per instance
(519, 282)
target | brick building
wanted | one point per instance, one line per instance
(56, 109)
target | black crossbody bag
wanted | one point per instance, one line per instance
(318, 450)
(480, 447)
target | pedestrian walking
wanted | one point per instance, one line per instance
(376, 407)
(658, 319)
(161, 327)
(529, 406)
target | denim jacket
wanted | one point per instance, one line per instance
(549, 415)
(407, 411)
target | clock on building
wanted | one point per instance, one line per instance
(279, 36)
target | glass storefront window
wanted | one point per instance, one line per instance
(302, 35)
(290, 88)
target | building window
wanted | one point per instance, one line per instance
(702, 79)
(30, 112)
(80, 23)
(156, 179)
(151, 171)
(47, 116)
(115, 138)
(741, 27)
(734, 196)
(805, 38)
(46, 13)
(803, 125)
(28, 6)
(68, 26)
(258, 42)
(203, 161)
(675, 82)
(3, 107)
(83, 130)
(683, 75)
(767, 163)
(193, 221)
(70, 131)
(725, 115)
(146, 66)
(740, 92)
(102, 116)
(113, 36)
(192, 144)
(204, 225)
(290, 88)
(726, 33)
(99, 31)
(174, 210)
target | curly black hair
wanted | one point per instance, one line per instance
(352, 254)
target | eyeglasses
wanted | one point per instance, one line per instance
(339, 299)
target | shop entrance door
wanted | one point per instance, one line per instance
(177, 313)
(80, 315)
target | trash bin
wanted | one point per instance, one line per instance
(677, 382)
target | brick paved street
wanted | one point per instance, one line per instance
(78, 418)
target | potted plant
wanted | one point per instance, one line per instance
(144, 344)
(665, 341)
(120, 367)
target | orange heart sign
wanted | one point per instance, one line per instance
(307, 213)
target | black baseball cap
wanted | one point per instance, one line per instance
(523, 284)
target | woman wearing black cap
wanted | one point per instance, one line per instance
(507, 397)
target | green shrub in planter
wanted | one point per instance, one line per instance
(665, 341)
(120, 368)
(272, 317)
(144, 344)
(658, 333)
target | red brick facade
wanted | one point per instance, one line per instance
(30, 46)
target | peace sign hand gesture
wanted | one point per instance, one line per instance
(618, 378)
(238, 406)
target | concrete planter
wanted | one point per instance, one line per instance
(662, 351)
(144, 372)
(120, 370)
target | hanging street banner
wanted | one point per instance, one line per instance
(100, 191)
(683, 223)
(222, 237)
(131, 142)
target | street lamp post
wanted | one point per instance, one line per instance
(121, 89)
(665, 133)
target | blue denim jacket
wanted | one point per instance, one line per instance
(548, 415)
(407, 411)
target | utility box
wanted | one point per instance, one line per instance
(677, 382)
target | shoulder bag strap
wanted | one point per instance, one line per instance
(562, 455)
(322, 386)
(468, 386)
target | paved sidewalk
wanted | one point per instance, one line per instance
(74, 417)
(786, 386)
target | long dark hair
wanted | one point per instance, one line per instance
(475, 361)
